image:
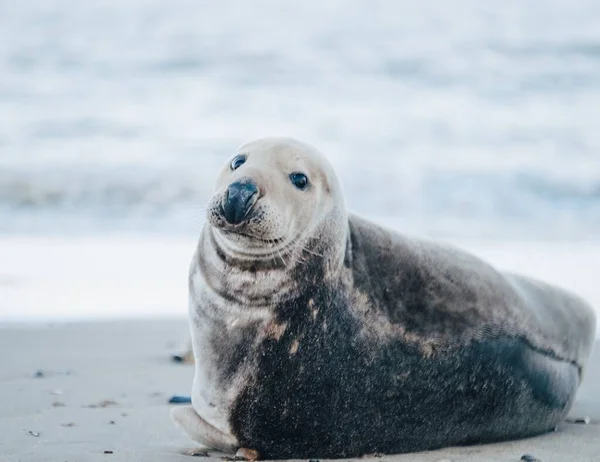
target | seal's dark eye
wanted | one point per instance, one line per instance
(237, 161)
(299, 180)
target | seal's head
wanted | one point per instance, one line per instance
(276, 195)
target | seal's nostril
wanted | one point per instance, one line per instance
(238, 200)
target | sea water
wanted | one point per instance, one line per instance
(464, 118)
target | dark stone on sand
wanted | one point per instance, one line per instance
(178, 399)
(530, 458)
(579, 420)
(177, 358)
(38, 374)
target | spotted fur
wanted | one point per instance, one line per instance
(361, 340)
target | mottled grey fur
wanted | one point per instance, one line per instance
(447, 298)
(317, 333)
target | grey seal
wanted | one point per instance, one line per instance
(317, 333)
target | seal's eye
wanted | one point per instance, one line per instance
(237, 161)
(299, 180)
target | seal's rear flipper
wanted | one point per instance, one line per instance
(201, 431)
(553, 381)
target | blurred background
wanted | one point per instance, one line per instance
(474, 121)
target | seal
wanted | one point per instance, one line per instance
(318, 334)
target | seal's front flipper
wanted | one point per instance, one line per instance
(201, 431)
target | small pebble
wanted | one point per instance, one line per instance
(39, 374)
(579, 420)
(58, 404)
(105, 403)
(177, 358)
(529, 458)
(248, 454)
(32, 433)
(177, 399)
(112, 422)
(108, 452)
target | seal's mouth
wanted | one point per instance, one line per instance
(244, 231)
(247, 235)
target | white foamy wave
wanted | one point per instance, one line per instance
(432, 201)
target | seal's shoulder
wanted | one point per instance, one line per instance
(436, 291)
(423, 285)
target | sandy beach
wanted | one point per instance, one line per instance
(72, 391)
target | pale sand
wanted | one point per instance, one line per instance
(128, 362)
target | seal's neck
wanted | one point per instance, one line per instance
(266, 281)
(241, 280)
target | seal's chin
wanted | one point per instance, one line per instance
(242, 246)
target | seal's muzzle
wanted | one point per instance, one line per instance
(238, 200)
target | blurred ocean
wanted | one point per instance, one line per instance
(461, 119)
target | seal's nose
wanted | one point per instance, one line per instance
(239, 199)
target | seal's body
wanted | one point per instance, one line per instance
(319, 334)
